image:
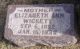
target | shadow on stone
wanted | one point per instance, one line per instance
(9, 42)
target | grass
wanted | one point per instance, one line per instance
(8, 45)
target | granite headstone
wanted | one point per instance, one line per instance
(47, 24)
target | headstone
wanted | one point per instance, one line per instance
(48, 24)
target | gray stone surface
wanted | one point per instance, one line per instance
(60, 32)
